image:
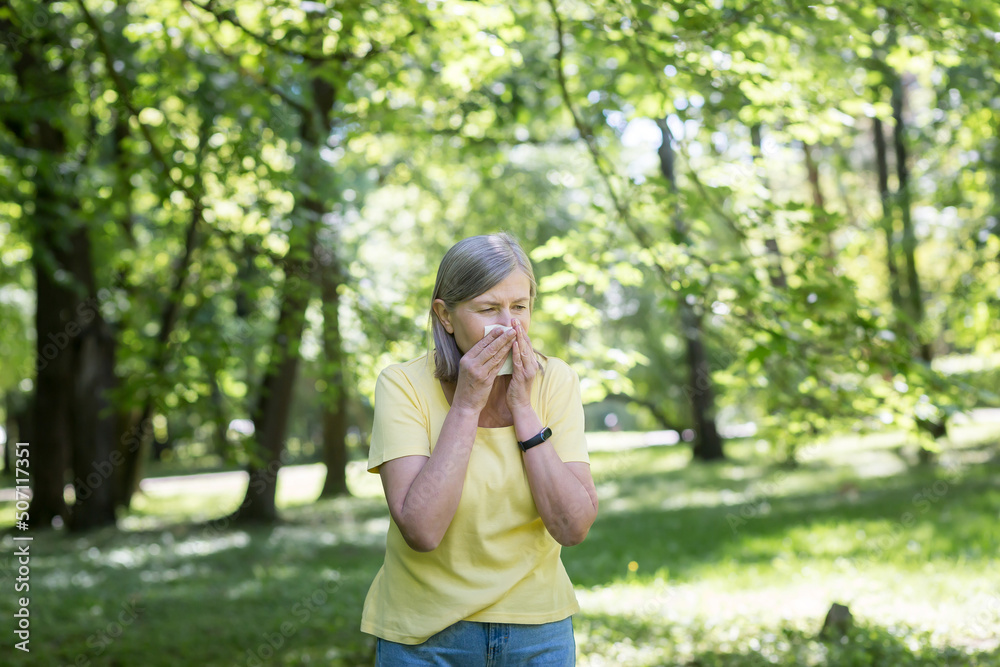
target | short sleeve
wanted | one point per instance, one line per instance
(400, 427)
(563, 410)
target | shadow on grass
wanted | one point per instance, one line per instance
(207, 594)
(625, 640)
(915, 516)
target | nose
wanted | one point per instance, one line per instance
(509, 316)
(505, 315)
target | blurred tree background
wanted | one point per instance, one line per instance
(220, 219)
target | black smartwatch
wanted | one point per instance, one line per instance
(537, 440)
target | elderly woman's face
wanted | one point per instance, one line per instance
(509, 300)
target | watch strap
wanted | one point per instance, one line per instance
(545, 434)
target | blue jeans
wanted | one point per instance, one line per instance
(469, 644)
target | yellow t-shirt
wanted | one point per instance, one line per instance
(496, 563)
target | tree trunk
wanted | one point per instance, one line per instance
(134, 446)
(95, 429)
(270, 416)
(783, 373)
(54, 382)
(700, 391)
(888, 217)
(74, 358)
(274, 403)
(996, 180)
(75, 370)
(708, 443)
(775, 270)
(914, 300)
(819, 201)
(134, 441)
(334, 410)
(93, 355)
(220, 433)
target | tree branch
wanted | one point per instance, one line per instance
(587, 134)
(253, 76)
(37, 98)
(124, 94)
(681, 146)
(653, 408)
(182, 265)
(229, 16)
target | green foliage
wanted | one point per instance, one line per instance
(800, 334)
(452, 120)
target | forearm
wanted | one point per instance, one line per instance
(565, 504)
(432, 499)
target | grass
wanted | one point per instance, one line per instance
(728, 564)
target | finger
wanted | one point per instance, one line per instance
(493, 335)
(500, 344)
(530, 361)
(485, 342)
(524, 343)
(520, 371)
(492, 356)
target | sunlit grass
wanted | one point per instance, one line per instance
(747, 550)
(733, 563)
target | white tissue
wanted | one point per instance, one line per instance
(508, 364)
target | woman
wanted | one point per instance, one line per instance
(486, 476)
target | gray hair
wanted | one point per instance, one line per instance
(471, 267)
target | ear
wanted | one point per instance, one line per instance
(441, 311)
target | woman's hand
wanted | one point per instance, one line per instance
(478, 369)
(525, 367)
